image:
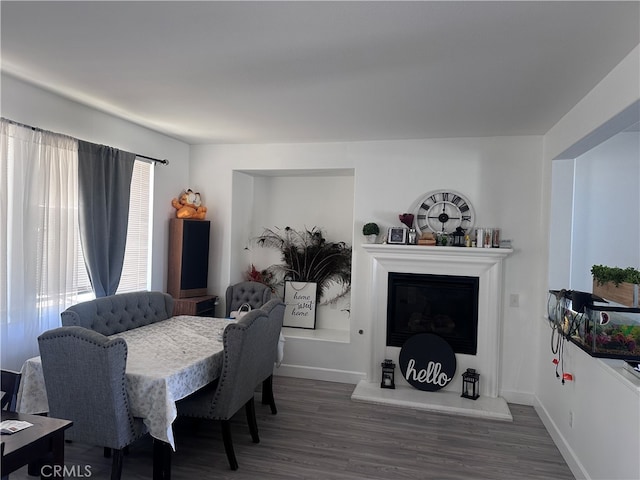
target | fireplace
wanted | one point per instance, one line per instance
(482, 264)
(445, 305)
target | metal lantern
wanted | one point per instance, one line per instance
(458, 237)
(388, 374)
(470, 384)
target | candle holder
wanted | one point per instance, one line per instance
(388, 374)
(458, 237)
(470, 384)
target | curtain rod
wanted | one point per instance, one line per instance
(157, 160)
(164, 161)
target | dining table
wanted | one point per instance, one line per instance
(166, 361)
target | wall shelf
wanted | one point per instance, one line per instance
(320, 334)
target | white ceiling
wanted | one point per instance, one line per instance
(248, 72)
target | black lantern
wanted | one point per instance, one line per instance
(388, 374)
(470, 384)
(458, 237)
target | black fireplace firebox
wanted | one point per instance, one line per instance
(446, 305)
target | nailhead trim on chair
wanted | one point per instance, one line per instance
(223, 375)
(123, 389)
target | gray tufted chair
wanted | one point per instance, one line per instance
(10, 385)
(119, 313)
(254, 293)
(84, 374)
(274, 309)
(245, 352)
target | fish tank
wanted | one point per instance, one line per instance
(566, 309)
(609, 331)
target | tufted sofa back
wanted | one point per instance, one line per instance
(121, 312)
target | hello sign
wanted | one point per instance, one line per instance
(427, 362)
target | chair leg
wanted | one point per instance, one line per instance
(250, 408)
(228, 444)
(267, 394)
(116, 464)
(162, 453)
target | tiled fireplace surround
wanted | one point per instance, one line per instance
(486, 264)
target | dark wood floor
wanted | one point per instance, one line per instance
(320, 434)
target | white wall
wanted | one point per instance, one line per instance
(501, 177)
(561, 224)
(25, 103)
(606, 408)
(606, 218)
(595, 200)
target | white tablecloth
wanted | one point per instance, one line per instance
(166, 361)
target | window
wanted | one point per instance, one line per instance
(137, 255)
(42, 270)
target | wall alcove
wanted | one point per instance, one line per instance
(590, 224)
(595, 219)
(279, 198)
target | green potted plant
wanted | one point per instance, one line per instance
(371, 231)
(620, 285)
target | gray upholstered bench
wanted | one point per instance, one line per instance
(121, 312)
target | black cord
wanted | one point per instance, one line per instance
(556, 335)
(562, 358)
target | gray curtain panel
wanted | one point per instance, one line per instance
(104, 177)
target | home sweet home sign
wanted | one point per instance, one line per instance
(300, 305)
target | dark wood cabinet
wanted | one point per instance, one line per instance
(204, 306)
(188, 267)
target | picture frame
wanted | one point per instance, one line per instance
(300, 304)
(397, 235)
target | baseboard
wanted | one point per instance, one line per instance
(566, 451)
(324, 374)
(518, 398)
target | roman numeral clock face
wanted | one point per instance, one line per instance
(443, 211)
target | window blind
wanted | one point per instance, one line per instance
(137, 255)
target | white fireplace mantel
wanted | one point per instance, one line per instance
(484, 263)
(454, 255)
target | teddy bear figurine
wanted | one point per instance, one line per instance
(189, 205)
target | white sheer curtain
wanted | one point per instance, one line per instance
(38, 236)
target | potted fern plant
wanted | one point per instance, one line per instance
(620, 285)
(310, 266)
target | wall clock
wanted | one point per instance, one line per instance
(441, 211)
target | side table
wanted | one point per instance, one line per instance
(33, 443)
(204, 306)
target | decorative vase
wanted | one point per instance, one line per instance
(406, 219)
(371, 238)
